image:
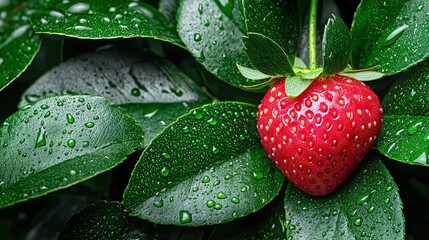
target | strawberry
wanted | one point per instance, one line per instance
(318, 138)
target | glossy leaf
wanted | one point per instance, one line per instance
(277, 19)
(268, 223)
(105, 220)
(251, 73)
(404, 134)
(295, 85)
(267, 56)
(391, 34)
(366, 206)
(364, 76)
(60, 141)
(98, 19)
(18, 43)
(206, 168)
(212, 32)
(336, 48)
(155, 92)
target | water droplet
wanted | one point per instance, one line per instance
(96, 117)
(394, 35)
(228, 176)
(195, 189)
(389, 188)
(41, 137)
(72, 172)
(79, 8)
(215, 150)
(235, 200)
(412, 130)
(221, 195)
(81, 28)
(235, 215)
(185, 217)
(159, 203)
(185, 129)
(71, 143)
(70, 118)
(164, 172)
(197, 114)
(420, 7)
(135, 92)
(371, 209)
(89, 124)
(258, 175)
(43, 21)
(47, 114)
(210, 203)
(357, 222)
(22, 140)
(200, 8)
(305, 208)
(217, 182)
(212, 121)
(363, 199)
(166, 155)
(44, 107)
(206, 179)
(217, 206)
(56, 14)
(387, 200)
(353, 213)
(85, 144)
(197, 37)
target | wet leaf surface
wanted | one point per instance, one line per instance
(98, 19)
(60, 141)
(155, 92)
(392, 34)
(366, 206)
(206, 168)
(404, 135)
(18, 43)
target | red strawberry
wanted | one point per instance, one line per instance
(318, 138)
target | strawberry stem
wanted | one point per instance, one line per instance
(312, 45)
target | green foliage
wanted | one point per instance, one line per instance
(61, 141)
(98, 19)
(184, 77)
(405, 131)
(18, 43)
(390, 34)
(371, 196)
(205, 168)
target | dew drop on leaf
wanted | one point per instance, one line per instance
(210, 203)
(71, 143)
(159, 203)
(357, 222)
(70, 118)
(221, 195)
(185, 217)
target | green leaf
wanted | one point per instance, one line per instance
(105, 220)
(154, 91)
(366, 206)
(18, 43)
(100, 19)
(363, 76)
(277, 19)
(206, 168)
(336, 46)
(251, 73)
(390, 34)
(267, 56)
(213, 34)
(404, 133)
(299, 63)
(60, 141)
(268, 223)
(295, 85)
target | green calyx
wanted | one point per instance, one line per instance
(271, 61)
